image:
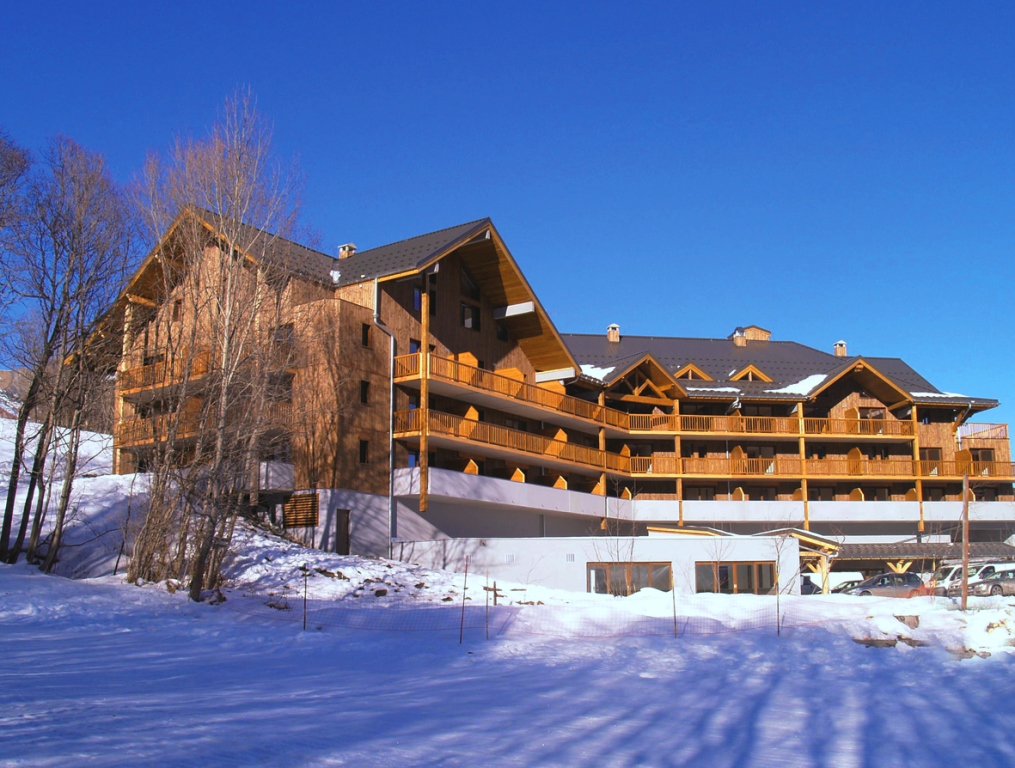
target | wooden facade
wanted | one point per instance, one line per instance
(484, 384)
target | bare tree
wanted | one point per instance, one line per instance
(211, 322)
(68, 251)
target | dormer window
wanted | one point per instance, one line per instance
(691, 371)
(751, 373)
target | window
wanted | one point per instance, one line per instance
(433, 295)
(699, 493)
(280, 387)
(470, 288)
(283, 337)
(930, 454)
(521, 426)
(364, 451)
(417, 299)
(735, 578)
(820, 493)
(470, 316)
(502, 333)
(366, 335)
(985, 455)
(364, 392)
(933, 494)
(878, 494)
(872, 413)
(413, 459)
(985, 494)
(878, 452)
(628, 578)
(177, 309)
(414, 346)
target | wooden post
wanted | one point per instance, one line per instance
(424, 395)
(965, 540)
(602, 439)
(802, 447)
(916, 465)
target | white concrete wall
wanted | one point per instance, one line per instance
(544, 562)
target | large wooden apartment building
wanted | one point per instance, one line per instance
(502, 426)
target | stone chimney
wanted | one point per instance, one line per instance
(840, 349)
(613, 333)
(347, 250)
(739, 338)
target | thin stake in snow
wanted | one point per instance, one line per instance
(486, 590)
(465, 587)
(306, 576)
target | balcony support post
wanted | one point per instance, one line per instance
(802, 446)
(128, 317)
(916, 465)
(602, 438)
(424, 395)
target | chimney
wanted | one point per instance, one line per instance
(613, 333)
(840, 348)
(739, 338)
(347, 250)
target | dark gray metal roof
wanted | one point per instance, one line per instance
(405, 255)
(788, 363)
(924, 551)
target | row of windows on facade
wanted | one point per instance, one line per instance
(728, 578)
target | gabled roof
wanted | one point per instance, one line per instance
(408, 255)
(797, 371)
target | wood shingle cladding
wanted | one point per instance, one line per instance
(743, 417)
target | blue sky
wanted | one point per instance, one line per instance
(824, 170)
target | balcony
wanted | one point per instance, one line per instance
(142, 431)
(510, 394)
(740, 425)
(446, 428)
(858, 428)
(165, 373)
(156, 429)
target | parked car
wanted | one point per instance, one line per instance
(845, 586)
(889, 585)
(943, 578)
(976, 574)
(808, 587)
(1000, 582)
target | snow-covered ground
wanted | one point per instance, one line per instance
(100, 672)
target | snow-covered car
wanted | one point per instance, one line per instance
(889, 585)
(1001, 582)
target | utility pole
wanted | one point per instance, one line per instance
(965, 540)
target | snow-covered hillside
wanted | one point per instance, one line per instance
(99, 672)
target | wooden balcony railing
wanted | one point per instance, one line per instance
(975, 469)
(860, 427)
(861, 467)
(446, 369)
(759, 425)
(166, 372)
(449, 425)
(779, 466)
(141, 430)
(975, 431)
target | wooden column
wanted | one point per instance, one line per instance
(677, 448)
(916, 464)
(802, 445)
(128, 319)
(424, 395)
(602, 438)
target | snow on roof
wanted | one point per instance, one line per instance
(803, 387)
(713, 389)
(939, 394)
(596, 372)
